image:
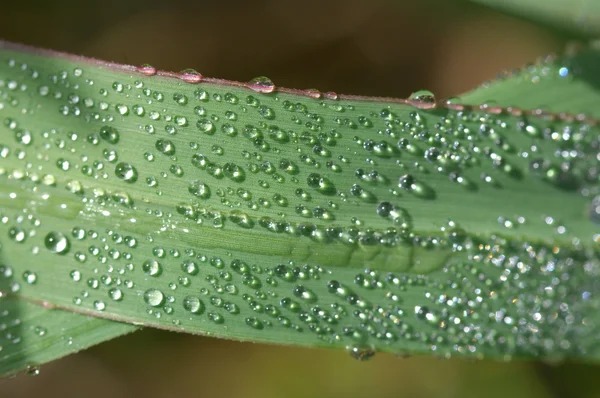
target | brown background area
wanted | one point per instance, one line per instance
(375, 47)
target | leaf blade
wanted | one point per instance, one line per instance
(36, 335)
(581, 17)
(265, 269)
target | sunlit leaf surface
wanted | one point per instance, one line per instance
(246, 211)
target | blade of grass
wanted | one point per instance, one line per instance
(294, 217)
(570, 85)
(32, 334)
(581, 17)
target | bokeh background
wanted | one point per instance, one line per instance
(374, 47)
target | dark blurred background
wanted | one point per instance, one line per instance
(374, 47)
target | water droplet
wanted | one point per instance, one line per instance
(17, 234)
(166, 147)
(147, 70)
(75, 275)
(423, 96)
(116, 294)
(190, 267)
(261, 84)
(384, 209)
(254, 323)
(206, 126)
(320, 183)
(109, 134)
(30, 277)
(361, 353)
(57, 243)
(127, 172)
(193, 304)
(190, 76)
(305, 294)
(154, 297)
(216, 318)
(199, 189)
(99, 305)
(32, 370)
(152, 267)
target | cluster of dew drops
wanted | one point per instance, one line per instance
(394, 159)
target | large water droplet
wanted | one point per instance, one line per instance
(193, 304)
(116, 294)
(154, 297)
(127, 172)
(152, 267)
(109, 134)
(423, 96)
(147, 70)
(57, 243)
(261, 84)
(199, 189)
(17, 234)
(190, 76)
(166, 147)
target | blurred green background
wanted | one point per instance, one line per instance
(375, 47)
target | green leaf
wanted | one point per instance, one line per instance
(32, 334)
(570, 84)
(581, 17)
(256, 213)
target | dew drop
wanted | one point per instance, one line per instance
(206, 126)
(254, 323)
(423, 96)
(384, 209)
(99, 305)
(75, 275)
(32, 370)
(126, 172)
(305, 294)
(190, 76)
(154, 297)
(261, 84)
(199, 189)
(193, 304)
(166, 147)
(115, 294)
(152, 267)
(361, 353)
(57, 243)
(147, 70)
(109, 134)
(17, 234)
(30, 277)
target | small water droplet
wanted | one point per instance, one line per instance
(361, 353)
(32, 370)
